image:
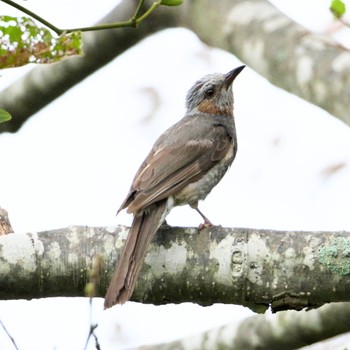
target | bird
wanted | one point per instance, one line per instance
(186, 162)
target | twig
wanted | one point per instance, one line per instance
(90, 291)
(344, 22)
(133, 22)
(92, 329)
(9, 335)
(34, 15)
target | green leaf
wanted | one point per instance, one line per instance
(4, 116)
(23, 41)
(338, 8)
(171, 2)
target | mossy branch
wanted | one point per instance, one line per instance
(250, 267)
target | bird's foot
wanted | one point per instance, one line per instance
(205, 224)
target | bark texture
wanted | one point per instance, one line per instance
(311, 66)
(255, 268)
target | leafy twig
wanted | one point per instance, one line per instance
(133, 22)
(34, 15)
(338, 9)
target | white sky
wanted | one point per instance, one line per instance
(73, 163)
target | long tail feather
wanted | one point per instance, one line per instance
(131, 259)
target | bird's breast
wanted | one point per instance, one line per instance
(199, 189)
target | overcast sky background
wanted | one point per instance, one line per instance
(74, 161)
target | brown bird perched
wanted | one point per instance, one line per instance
(184, 165)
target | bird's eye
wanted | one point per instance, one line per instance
(209, 93)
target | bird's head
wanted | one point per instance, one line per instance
(213, 94)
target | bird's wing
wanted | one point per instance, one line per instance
(169, 169)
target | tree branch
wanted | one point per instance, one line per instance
(45, 83)
(309, 65)
(250, 267)
(286, 330)
(133, 22)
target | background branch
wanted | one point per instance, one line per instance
(286, 330)
(311, 66)
(45, 83)
(250, 267)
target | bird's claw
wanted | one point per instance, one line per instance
(205, 224)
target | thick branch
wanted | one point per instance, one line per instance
(240, 266)
(286, 330)
(309, 65)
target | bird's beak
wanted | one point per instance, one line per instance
(231, 75)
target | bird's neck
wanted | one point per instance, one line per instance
(220, 113)
(208, 107)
